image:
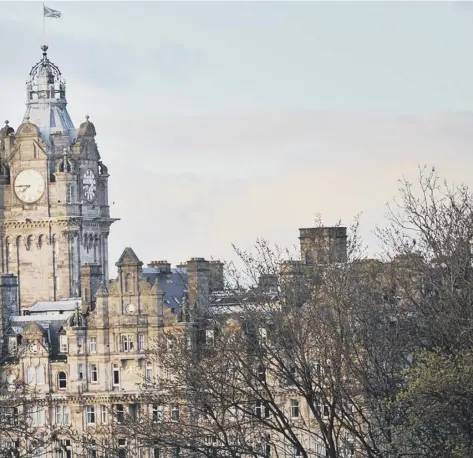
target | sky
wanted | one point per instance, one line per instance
(223, 122)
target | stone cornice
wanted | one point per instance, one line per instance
(73, 223)
(85, 398)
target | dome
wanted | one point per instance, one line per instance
(86, 129)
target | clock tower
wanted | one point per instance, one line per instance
(54, 213)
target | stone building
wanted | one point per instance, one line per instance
(69, 333)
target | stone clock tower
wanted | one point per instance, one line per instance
(54, 213)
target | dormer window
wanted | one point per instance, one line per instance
(63, 343)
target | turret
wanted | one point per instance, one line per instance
(46, 104)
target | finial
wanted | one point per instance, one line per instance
(6, 122)
(44, 48)
(87, 118)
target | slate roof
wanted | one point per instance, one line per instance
(173, 284)
(51, 325)
(63, 305)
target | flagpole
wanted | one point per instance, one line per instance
(44, 24)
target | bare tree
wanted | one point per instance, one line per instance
(433, 227)
(23, 430)
(358, 357)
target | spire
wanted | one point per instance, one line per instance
(46, 100)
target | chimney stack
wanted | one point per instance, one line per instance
(163, 266)
(198, 280)
(323, 245)
(216, 276)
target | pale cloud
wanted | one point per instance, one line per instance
(348, 164)
(220, 121)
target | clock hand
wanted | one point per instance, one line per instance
(22, 186)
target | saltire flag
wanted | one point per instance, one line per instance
(49, 12)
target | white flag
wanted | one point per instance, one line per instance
(49, 12)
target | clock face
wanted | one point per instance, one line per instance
(33, 347)
(89, 185)
(130, 308)
(29, 186)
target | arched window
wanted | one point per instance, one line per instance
(30, 375)
(62, 380)
(128, 283)
(39, 375)
(29, 242)
(40, 241)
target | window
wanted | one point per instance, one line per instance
(9, 416)
(263, 336)
(36, 416)
(80, 371)
(80, 345)
(62, 380)
(128, 283)
(63, 449)
(127, 343)
(267, 450)
(103, 414)
(175, 413)
(141, 342)
(296, 450)
(30, 375)
(261, 409)
(12, 345)
(320, 449)
(261, 373)
(90, 415)
(63, 343)
(92, 450)
(62, 415)
(155, 452)
(116, 375)
(11, 382)
(209, 337)
(294, 408)
(119, 413)
(121, 446)
(326, 410)
(39, 375)
(176, 452)
(92, 344)
(94, 374)
(148, 373)
(157, 412)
